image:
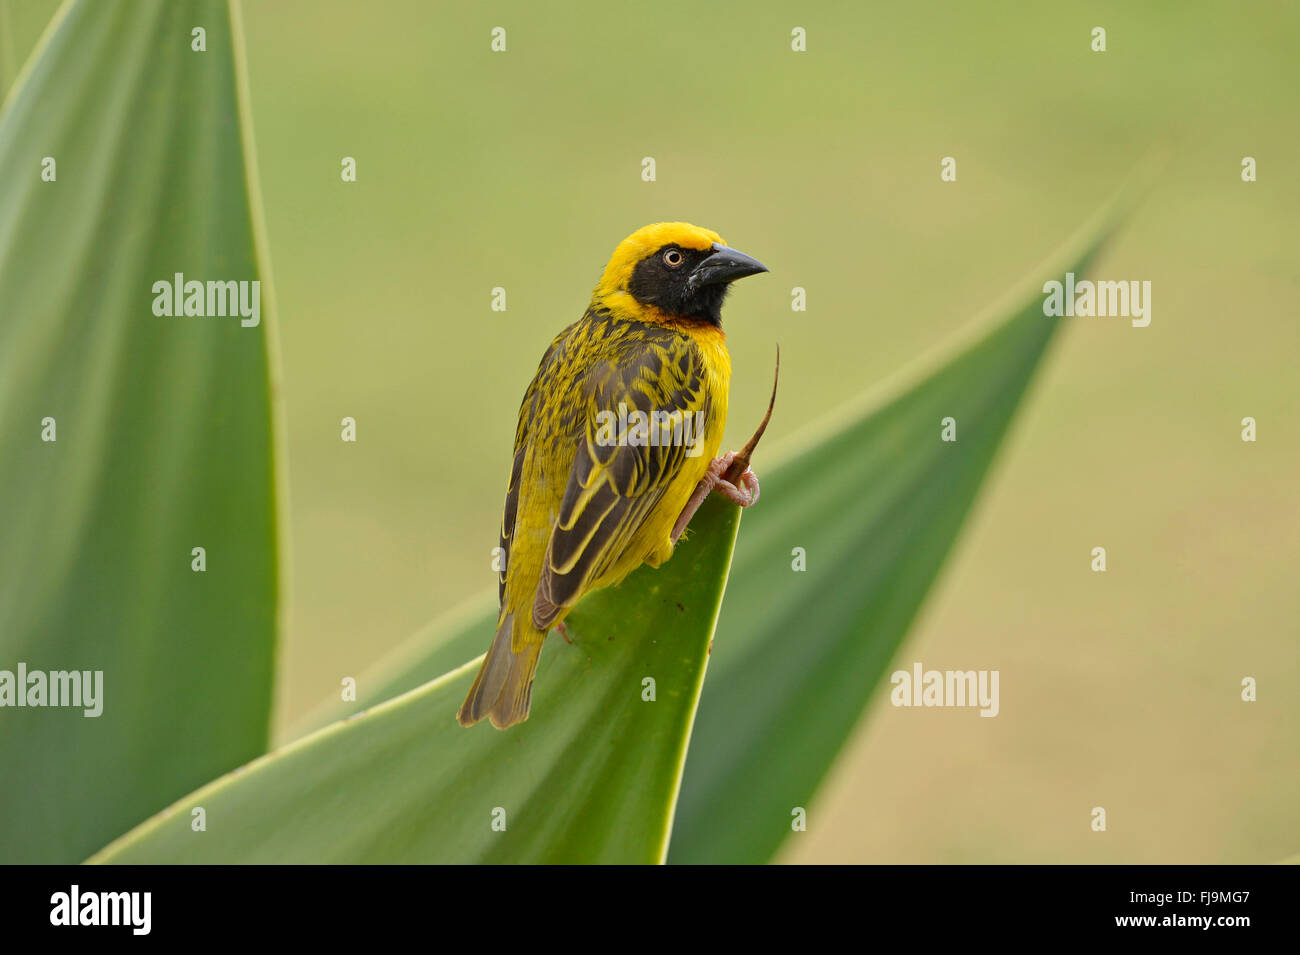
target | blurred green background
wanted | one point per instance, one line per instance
(522, 169)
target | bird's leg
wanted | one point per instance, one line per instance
(715, 480)
(563, 632)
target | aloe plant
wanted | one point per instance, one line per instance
(874, 502)
(592, 776)
(162, 428)
(167, 441)
(870, 509)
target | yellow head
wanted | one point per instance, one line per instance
(671, 272)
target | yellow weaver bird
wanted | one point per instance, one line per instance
(590, 500)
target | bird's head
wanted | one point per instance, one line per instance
(672, 272)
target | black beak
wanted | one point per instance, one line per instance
(724, 265)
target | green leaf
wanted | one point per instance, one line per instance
(7, 54)
(21, 25)
(164, 427)
(875, 505)
(592, 776)
(876, 499)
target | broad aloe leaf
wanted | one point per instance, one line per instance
(7, 48)
(875, 499)
(592, 776)
(875, 504)
(163, 426)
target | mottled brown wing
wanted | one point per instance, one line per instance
(614, 485)
(528, 411)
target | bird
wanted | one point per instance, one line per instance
(615, 448)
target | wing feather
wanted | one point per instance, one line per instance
(528, 411)
(613, 488)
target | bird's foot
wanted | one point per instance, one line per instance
(564, 632)
(744, 495)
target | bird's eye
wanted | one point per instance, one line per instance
(673, 258)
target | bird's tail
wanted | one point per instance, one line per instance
(503, 689)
